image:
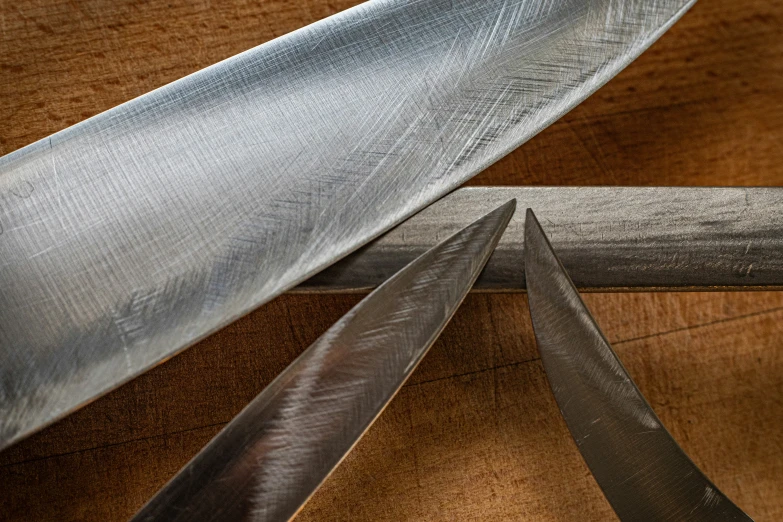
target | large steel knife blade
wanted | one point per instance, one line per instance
(643, 472)
(131, 235)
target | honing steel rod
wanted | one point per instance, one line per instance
(609, 238)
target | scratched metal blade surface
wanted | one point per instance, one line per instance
(135, 233)
(642, 471)
(608, 238)
(273, 456)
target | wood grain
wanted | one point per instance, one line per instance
(475, 434)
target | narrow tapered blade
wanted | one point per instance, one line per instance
(642, 471)
(272, 457)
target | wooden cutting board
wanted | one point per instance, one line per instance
(475, 434)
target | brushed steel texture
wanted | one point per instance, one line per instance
(272, 457)
(609, 238)
(134, 234)
(642, 471)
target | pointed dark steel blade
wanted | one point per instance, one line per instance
(641, 469)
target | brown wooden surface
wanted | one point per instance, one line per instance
(475, 434)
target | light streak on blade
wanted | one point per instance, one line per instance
(642, 471)
(273, 456)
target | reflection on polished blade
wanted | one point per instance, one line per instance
(135, 233)
(268, 461)
(640, 468)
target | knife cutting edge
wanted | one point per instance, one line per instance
(641, 469)
(273, 456)
(134, 234)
